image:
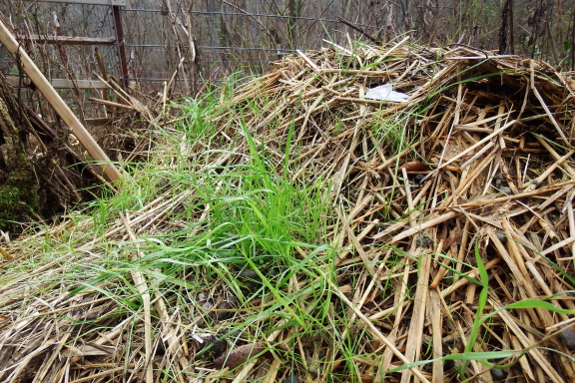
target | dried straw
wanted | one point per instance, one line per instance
(491, 137)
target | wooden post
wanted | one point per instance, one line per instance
(34, 74)
(120, 42)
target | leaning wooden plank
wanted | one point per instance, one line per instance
(70, 40)
(57, 103)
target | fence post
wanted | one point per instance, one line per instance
(120, 42)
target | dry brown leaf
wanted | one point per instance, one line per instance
(6, 254)
(414, 166)
(240, 355)
(243, 353)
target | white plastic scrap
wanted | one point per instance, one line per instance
(385, 93)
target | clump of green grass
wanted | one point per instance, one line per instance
(243, 215)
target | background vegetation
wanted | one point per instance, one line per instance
(249, 34)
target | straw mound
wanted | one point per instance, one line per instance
(480, 158)
(477, 157)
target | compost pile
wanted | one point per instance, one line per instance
(457, 203)
(478, 156)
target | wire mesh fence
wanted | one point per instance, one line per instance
(227, 36)
(188, 42)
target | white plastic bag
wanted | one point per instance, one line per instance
(385, 93)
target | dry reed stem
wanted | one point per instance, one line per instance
(493, 181)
